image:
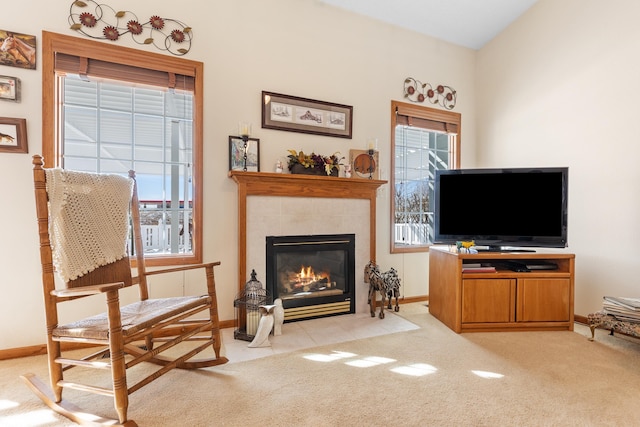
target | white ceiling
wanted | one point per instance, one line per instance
(468, 23)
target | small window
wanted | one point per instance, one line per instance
(423, 140)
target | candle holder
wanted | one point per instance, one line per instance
(372, 146)
(372, 165)
(244, 130)
(247, 306)
(245, 147)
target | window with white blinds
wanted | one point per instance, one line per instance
(116, 109)
(423, 141)
(111, 127)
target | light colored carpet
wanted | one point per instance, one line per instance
(423, 377)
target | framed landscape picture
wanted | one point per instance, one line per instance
(295, 114)
(244, 155)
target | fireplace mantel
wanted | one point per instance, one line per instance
(291, 185)
(286, 184)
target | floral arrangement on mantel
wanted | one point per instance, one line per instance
(314, 164)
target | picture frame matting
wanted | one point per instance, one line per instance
(13, 135)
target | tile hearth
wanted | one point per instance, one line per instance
(316, 332)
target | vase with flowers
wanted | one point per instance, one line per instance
(314, 164)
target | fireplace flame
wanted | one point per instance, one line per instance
(308, 276)
(306, 272)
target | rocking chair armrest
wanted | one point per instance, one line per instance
(87, 290)
(182, 268)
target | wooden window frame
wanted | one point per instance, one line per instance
(53, 43)
(426, 118)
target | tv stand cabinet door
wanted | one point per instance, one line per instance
(544, 300)
(488, 300)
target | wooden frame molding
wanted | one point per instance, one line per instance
(424, 118)
(291, 185)
(54, 44)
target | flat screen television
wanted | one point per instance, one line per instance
(502, 208)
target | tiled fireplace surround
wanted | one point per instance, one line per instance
(271, 204)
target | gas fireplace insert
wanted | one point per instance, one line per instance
(313, 275)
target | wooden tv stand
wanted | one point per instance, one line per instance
(504, 300)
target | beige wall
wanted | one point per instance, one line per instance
(296, 47)
(560, 88)
(557, 88)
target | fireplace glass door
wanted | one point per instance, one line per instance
(312, 275)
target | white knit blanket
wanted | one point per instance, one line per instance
(88, 219)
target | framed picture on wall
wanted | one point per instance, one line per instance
(363, 164)
(295, 114)
(13, 135)
(18, 50)
(9, 88)
(244, 154)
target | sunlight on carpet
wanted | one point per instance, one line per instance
(484, 374)
(415, 369)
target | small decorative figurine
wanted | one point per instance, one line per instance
(387, 284)
(347, 171)
(278, 317)
(264, 327)
(279, 167)
(466, 247)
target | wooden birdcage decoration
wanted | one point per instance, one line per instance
(247, 309)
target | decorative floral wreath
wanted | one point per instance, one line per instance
(100, 21)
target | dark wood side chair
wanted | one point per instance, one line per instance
(123, 335)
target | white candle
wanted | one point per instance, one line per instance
(245, 129)
(372, 143)
(253, 319)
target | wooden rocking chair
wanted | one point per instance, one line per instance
(126, 335)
